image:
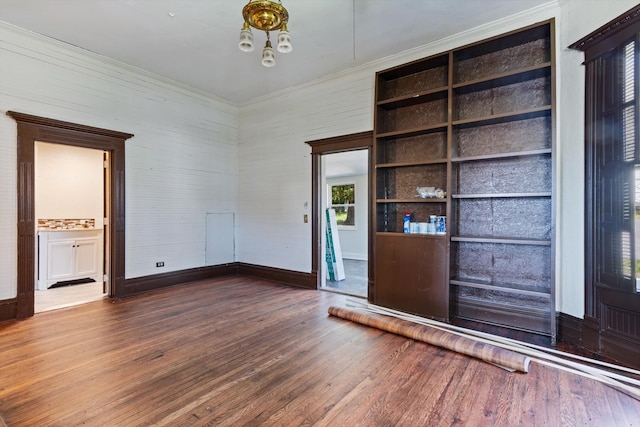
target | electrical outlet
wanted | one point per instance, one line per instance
(160, 264)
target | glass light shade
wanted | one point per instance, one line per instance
(284, 40)
(246, 39)
(268, 55)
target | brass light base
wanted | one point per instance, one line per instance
(265, 15)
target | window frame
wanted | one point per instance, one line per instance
(331, 205)
(599, 47)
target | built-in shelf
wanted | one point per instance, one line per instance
(502, 287)
(505, 117)
(439, 127)
(411, 235)
(406, 164)
(502, 79)
(477, 122)
(527, 153)
(500, 195)
(414, 200)
(502, 240)
(414, 99)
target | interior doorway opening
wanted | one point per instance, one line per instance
(34, 128)
(71, 212)
(362, 143)
(344, 213)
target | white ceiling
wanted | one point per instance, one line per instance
(348, 163)
(195, 42)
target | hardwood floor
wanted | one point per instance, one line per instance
(240, 351)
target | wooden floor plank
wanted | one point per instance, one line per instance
(242, 351)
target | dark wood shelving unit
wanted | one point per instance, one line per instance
(478, 123)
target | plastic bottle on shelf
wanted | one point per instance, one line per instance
(407, 222)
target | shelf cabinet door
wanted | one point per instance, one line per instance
(86, 257)
(61, 260)
(410, 274)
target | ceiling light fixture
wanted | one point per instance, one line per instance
(266, 16)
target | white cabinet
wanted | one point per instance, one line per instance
(68, 255)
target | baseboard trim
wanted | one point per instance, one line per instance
(287, 277)
(138, 285)
(8, 309)
(570, 329)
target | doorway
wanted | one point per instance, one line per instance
(70, 207)
(34, 128)
(345, 179)
(319, 149)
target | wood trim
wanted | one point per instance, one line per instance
(621, 23)
(287, 277)
(336, 144)
(139, 285)
(61, 125)
(8, 308)
(316, 241)
(569, 329)
(620, 347)
(584, 334)
(351, 142)
(32, 129)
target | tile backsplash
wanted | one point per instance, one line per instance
(66, 224)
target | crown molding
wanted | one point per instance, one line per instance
(621, 23)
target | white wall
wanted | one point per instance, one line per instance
(68, 182)
(353, 241)
(275, 164)
(181, 164)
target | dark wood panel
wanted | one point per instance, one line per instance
(569, 329)
(239, 351)
(411, 274)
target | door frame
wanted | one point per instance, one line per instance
(31, 129)
(338, 144)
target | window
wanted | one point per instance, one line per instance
(612, 172)
(616, 171)
(613, 165)
(343, 201)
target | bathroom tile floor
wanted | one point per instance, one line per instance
(67, 296)
(355, 282)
